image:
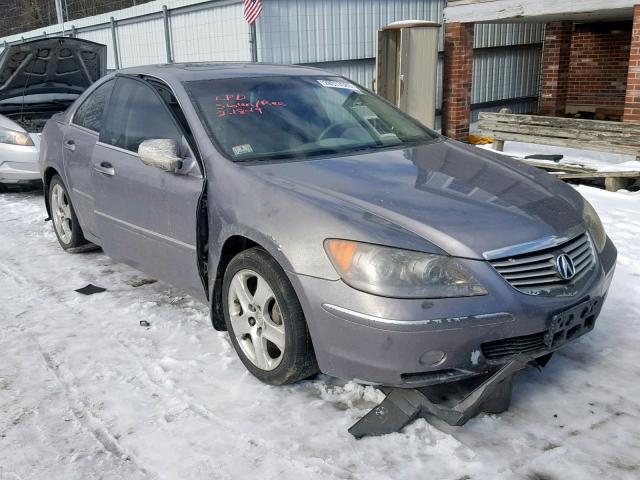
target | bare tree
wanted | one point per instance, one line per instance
(24, 15)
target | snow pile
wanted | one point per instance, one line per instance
(86, 393)
(600, 161)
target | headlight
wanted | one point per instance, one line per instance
(392, 272)
(14, 138)
(594, 225)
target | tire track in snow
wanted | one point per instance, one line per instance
(19, 279)
(157, 379)
(87, 419)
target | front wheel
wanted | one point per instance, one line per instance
(65, 220)
(265, 321)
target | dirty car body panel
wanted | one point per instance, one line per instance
(504, 223)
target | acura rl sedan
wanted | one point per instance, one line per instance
(326, 230)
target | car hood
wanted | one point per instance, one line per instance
(467, 201)
(50, 65)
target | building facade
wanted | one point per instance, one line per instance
(590, 59)
(338, 35)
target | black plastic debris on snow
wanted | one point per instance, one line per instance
(90, 289)
(540, 156)
(453, 403)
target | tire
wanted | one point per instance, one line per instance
(267, 325)
(64, 218)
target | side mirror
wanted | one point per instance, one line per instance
(161, 153)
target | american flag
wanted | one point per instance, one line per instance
(252, 10)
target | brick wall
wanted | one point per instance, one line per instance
(632, 99)
(556, 54)
(457, 80)
(598, 65)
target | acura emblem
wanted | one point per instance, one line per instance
(565, 267)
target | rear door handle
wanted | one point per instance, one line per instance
(105, 168)
(70, 145)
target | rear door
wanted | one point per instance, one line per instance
(145, 217)
(80, 137)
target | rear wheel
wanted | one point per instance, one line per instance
(65, 220)
(265, 320)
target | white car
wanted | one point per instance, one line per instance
(38, 79)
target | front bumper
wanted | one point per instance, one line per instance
(395, 342)
(18, 163)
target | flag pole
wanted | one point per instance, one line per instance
(254, 42)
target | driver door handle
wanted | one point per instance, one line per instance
(70, 145)
(105, 168)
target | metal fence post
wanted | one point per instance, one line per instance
(167, 34)
(115, 43)
(253, 40)
(74, 34)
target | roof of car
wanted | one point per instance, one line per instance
(202, 71)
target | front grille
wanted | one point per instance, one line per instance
(513, 346)
(535, 272)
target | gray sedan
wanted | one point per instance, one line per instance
(327, 230)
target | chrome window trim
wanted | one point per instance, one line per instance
(146, 231)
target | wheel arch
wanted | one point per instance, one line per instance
(49, 173)
(232, 246)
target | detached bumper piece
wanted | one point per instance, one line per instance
(457, 402)
(402, 406)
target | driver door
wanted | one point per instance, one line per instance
(145, 216)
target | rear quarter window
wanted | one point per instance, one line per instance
(90, 113)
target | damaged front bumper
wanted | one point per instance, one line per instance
(413, 343)
(401, 406)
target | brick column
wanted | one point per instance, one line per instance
(632, 97)
(457, 80)
(556, 55)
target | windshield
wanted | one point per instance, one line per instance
(299, 117)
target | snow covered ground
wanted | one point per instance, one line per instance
(601, 161)
(87, 393)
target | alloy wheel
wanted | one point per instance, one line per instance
(256, 319)
(61, 212)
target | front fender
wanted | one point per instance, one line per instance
(268, 243)
(228, 243)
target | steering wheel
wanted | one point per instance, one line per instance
(342, 126)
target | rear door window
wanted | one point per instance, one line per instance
(136, 113)
(89, 114)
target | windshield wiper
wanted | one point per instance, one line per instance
(285, 155)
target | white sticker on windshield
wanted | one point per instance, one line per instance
(242, 149)
(335, 84)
